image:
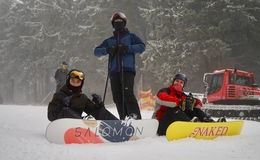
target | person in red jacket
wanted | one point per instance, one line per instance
(172, 104)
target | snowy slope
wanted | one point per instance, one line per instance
(22, 138)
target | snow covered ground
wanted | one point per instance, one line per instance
(23, 128)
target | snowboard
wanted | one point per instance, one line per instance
(202, 130)
(67, 130)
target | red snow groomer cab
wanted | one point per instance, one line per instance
(231, 86)
(235, 92)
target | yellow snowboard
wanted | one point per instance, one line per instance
(203, 130)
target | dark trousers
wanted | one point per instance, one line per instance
(176, 114)
(103, 114)
(67, 112)
(130, 103)
(99, 114)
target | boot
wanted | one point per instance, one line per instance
(195, 119)
(208, 119)
(131, 116)
(222, 119)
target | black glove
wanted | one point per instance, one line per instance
(182, 105)
(189, 103)
(111, 50)
(97, 99)
(122, 49)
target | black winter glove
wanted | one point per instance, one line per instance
(189, 103)
(111, 50)
(122, 49)
(182, 105)
(97, 99)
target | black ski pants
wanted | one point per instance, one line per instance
(127, 95)
(176, 114)
(99, 114)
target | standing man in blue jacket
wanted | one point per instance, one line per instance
(121, 49)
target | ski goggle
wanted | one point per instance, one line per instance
(118, 20)
(118, 14)
(77, 74)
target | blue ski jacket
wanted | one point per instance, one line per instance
(127, 61)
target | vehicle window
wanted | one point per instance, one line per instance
(242, 80)
(216, 83)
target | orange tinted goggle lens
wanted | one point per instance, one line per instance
(77, 74)
(118, 20)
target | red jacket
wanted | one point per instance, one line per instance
(168, 97)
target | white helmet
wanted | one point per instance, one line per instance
(118, 15)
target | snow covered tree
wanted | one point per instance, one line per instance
(196, 36)
(190, 36)
(38, 35)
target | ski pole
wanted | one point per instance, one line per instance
(104, 96)
(44, 99)
(123, 86)
(105, 92)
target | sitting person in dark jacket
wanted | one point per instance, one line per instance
(70, 102)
